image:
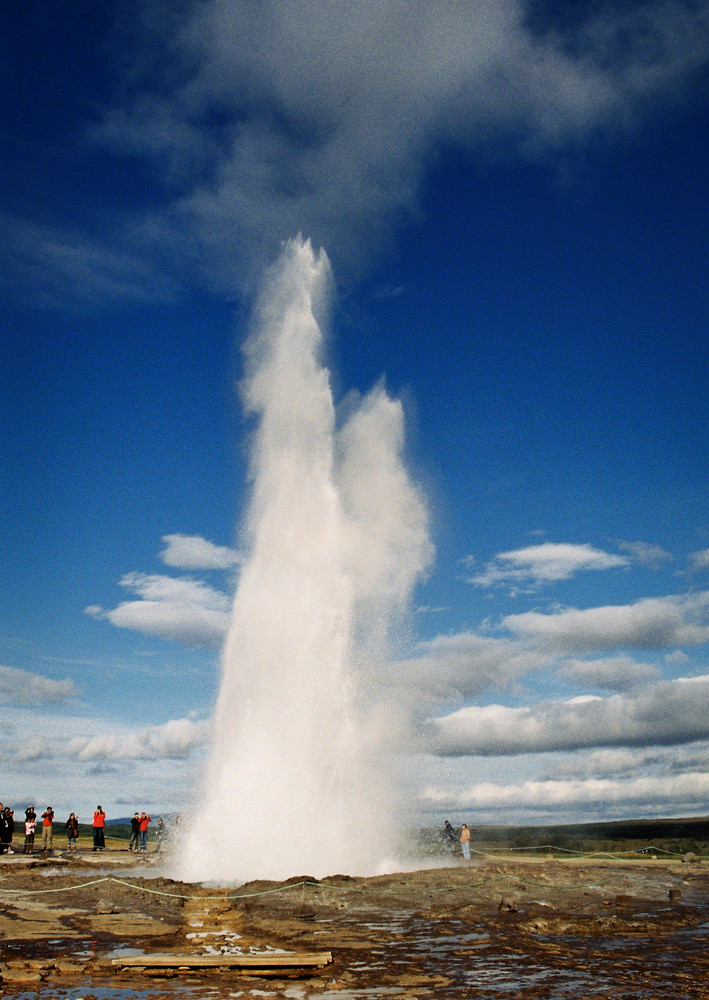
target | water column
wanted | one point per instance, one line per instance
(297, 782)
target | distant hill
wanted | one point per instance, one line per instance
(676, 835)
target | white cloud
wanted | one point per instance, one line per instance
(652, 623)
(666, 713)
(179, 609)
(22, 687)
(676, 657)
(616, 673)
(545, 563)
(700, 560)
(173, 740)
(192, 552)
(76, 759)
(450, 669)
(34, 747)
(687, 791)
(646, 554)
(264, 120)
(618, 762)
(56, 262)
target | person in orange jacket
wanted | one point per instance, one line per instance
(465, 841)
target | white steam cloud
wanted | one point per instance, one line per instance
(259, 120)
(337, 538)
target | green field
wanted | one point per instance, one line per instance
(662, 836)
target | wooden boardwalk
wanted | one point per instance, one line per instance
(261, 963)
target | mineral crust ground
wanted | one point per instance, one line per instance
(497, 928)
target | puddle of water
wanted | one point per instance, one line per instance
(124, 951)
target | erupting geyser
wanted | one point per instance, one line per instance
(335, 538)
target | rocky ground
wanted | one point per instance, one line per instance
(494, 928)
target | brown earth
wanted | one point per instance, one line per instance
(495, 928)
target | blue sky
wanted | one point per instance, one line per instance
(514, 201)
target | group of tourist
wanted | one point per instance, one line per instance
(452, 837)
(139, 830)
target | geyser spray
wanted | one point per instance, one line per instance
(335, 539)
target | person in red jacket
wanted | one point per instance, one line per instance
(47, 828)
(144, 823)
(99, 829)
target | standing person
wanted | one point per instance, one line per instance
(47, 828)
(465, 841)
(160, 833)
(30, 827)
(144, 824)
(72, 832)
(7, 828)
(134, 833)
(99, 829)
(449, 834)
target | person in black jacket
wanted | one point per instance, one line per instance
(7, 828)
(72, 832)
(134, 833)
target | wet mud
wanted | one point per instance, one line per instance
(496, 928)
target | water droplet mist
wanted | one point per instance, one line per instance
(335, 538)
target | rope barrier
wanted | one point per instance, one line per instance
(617, 856)
(364, 890)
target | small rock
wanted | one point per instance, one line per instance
(68, 967)
(21, 976)
(104, 906)
(539, 926)
(675, 894)
(508, 904)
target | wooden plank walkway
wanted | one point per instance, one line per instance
(265, 960)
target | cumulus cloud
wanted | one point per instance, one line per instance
(173, 740)
(33, 748)
(700, 560)
(687, 792)
(666, 713)
(646, 554)
(619, 762)
(179, 609)
(22, 687)
(652, 623)
(546, 563)
(192, 552)
(452, 668)
(615, 673)
(257, 121)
